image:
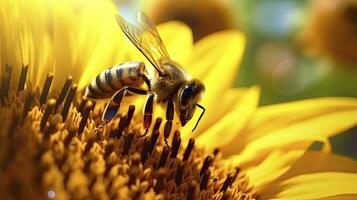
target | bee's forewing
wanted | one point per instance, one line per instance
(146, 38)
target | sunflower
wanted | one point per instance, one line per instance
(54, 145)
(339, 16)
(203, 17)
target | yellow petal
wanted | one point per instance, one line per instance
(277, 163)
(339, 197)
(280, 126)
(284, 114)
(318, 185)
(227, 127)
(215, 61)
(178, 41)
(229, 98)
(209, 53)
(309, 164)
(99, 44)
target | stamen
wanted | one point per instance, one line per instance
(228, 196)
(49, 110)
(88, 107)
(205, 179)
(235, 175)
(121, 127)
(134, 169)
(5, 83)
(89, 145)
(147, 121)
(64, 91)
(46, 88)
(130, 114)
(28, 103)
(192, 190)
(71, 133)
(128, 139)
(81, 106)
(154, 137)
(191, 144)
(179, 174)
(160, 180)
(216, 151)
(227, 182)
(164, 154)
(176, 142)
(108, 150)
(206, 165)
(68, 101)
(145, 150)
(157, 124)
(167, 129)
(136, 159)
(23, 76)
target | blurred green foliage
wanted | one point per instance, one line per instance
(279, 23)
(266, 24)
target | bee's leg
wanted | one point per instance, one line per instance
(148, 110)
(146, 80)
(169, 118)
(113, 106)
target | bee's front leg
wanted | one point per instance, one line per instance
(169, 118)
(113, 106)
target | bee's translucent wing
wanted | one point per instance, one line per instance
(146, 38)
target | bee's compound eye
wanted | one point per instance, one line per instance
(186, 96)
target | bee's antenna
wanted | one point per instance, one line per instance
(203, 112)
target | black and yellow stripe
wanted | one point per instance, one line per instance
(111, 80)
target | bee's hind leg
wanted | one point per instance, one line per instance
(113, 106)
(169, 118)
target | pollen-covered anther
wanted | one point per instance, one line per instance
(157, 124)
(179, 174)
(50, 106)
(64, 91)
(23, 76)
(227, 182)
(86, 111)
(128, 139)
(190, 145)
(121, 127)
(176, 141)
(145, 150)
(206, 165)
(205, 179)
(5, 83)
(68, 101)
(160, 180)
(130, 115)
(192, 190)
(164, 154)
(46, 88)
(134, 169)
(154, 137)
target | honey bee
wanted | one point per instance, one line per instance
(167, 82)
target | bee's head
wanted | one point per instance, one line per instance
(186, 101)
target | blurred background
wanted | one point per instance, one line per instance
(296, 49)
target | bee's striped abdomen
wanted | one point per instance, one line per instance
(111, 80)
